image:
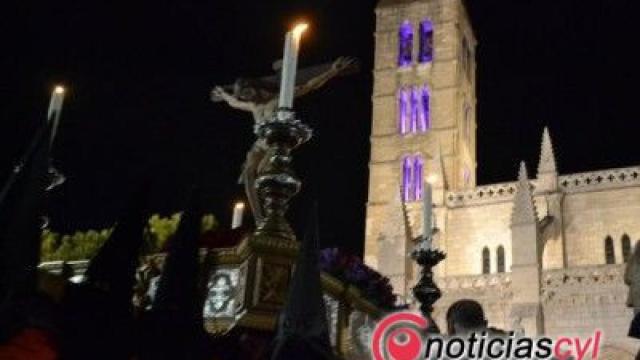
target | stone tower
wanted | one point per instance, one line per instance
(424, 112)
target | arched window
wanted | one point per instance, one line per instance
(418, 176)
(405, 44)
(407, 178)
(415, 109)
(412, 178)
(466, 176)
(467, 122)
(609, 254)
(424, 112)
(500, 259)
(426, 41)
(466, 57)
(404, 110)
(626, 247)
(486, 261)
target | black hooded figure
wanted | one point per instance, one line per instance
(21, 219)
(173, 328)
(98, 318)
(302, 330)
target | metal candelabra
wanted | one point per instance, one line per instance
(277, 183)
(426, 291)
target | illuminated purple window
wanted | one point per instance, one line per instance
(416, 112)
(418, 175)
(412, 178)
(407, 178)
(426, 41)
(405, 44)
(424, 120)
(404, 110)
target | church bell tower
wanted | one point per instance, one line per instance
(424, 121)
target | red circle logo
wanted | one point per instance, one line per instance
(398, 337)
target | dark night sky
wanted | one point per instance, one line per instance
(140, 75)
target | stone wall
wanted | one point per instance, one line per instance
(469, 230)
(592, 216)
(575, 302)
(492, 291)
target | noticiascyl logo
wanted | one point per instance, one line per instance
(398, 337)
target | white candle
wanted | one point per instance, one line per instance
(290, 65)
(55, 108)
(427, 213)
(238, 213)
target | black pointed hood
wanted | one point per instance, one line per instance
(302, 329)
(21, 218)
(113, 269)
(173, 328)
(178, 286)
(98, 318)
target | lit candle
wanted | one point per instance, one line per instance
(427, 213)
(238, 213)
(55, 108)
(289, 66)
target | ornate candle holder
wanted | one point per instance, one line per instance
(426, 291)
(277, 183)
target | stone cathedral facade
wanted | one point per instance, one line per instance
(544, 253)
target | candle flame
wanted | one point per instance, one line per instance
(59, 89)
(432, 179)
(239, 205)
(299, 29)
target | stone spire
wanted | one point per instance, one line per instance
(524, 209)
(526, 262)
(547, 164)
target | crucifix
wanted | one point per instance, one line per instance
(260, 97)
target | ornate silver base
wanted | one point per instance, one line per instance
(277, 183)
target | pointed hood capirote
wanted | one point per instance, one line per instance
(98, 313)
(113, 268)
(173, 328)
(178, 286)
(21, 219)
(302, 330)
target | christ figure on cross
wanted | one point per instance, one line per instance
(260, 97)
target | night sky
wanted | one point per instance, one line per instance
(140, 74)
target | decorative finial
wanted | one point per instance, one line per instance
(547, 162)
(524, 209)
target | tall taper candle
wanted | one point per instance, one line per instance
(55, 108)
(427, 212)
(290, 65)
(238, 214)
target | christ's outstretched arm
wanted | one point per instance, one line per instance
(340, 65)
(220, 92)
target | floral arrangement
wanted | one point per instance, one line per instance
(352, 271)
